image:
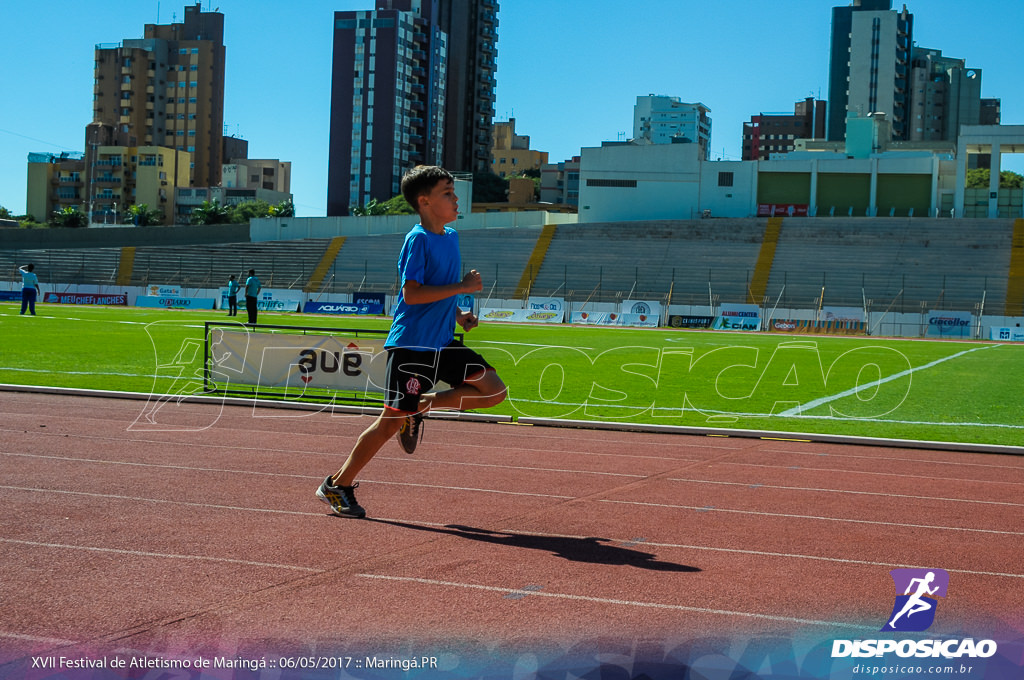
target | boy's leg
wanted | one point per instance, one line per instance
(480, 391)
(368, 444)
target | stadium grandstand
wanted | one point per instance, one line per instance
(902, 264)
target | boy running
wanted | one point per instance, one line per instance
(421, 346)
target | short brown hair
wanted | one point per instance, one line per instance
(420, 180)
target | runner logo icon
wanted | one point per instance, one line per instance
(916, 593)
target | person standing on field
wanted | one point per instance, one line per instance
(252, 290)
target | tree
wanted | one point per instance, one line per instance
(489, 188)
(978, 178)
(283, 209)
(5, 214)
(143, 216)
(370, 209)
(69, 218)
(210, 213)
(248, 210)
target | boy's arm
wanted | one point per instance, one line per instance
(415, 293)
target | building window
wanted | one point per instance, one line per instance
(725, 179)
(623, 183)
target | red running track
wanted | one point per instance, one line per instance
(203, 533)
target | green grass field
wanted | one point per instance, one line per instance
(873, 387)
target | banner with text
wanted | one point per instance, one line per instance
(86, 299)
(174, 302)
(521, 315)
(342, 308)
(949, 324)
(296, 362)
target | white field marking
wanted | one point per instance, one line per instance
(173, 556)
(530, 344)
(674, 410)
(883, 474)
(191, 468)
(814, 517)
(46, 640)
(107, 373)
(881, 381)
(849, 491)
(605, 600)
(75, 318)
(763, 553)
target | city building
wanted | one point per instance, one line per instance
(387, 93)
(771, 133)
(944, 95)
(257, 173)
(869, 70)
(167, 89)
(560, 182)
(511, 154)
(658, 119)
(472, 29)
(399, 72)
(55, 182)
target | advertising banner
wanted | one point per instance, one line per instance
(614, 319)
(782, 210)
(682, 321)
(521, 315)
(949, 324)
(546, 304)
(737, 323)
(86, 299)
(173, 302)
(645, 307)
(842, 314)
(299, 361)
(1006, 334)
(368, 299)
(808, 327)
(11, 295)
(342, 308)
(164, 291)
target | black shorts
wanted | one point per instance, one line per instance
(412, 372)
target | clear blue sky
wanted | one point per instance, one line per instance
(569, 71)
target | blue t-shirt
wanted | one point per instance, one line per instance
(232, 287)
(29, 279)
(431, 260)
(252, 286)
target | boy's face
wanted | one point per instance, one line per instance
(440, 205)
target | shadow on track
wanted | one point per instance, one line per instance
(590, 549)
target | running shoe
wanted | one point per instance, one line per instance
(342, 499)
(411, 432)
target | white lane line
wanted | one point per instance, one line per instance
(174, 556)
(847, 471)
(611, 601)
(764, 553)
(848, 491)
(704, 508)
(814, 403)
(36, 638)
(189, 468)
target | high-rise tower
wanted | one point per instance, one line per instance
(870, 65)
(167, 89)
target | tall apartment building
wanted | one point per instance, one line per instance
(659, 119)
(472, 29)
(945, 94)
(167, 89)
(412, 83)
(511, 153)
(869, 71)
(770, 133)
